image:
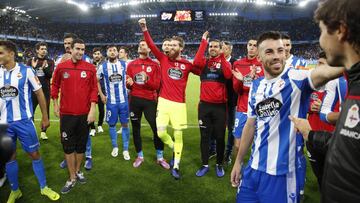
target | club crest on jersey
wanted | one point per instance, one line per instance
(8, 92)
(182, 67)
(314, 96)
(279, 85)
(218, 66)
(352, 117)
(115, 78)
(148, 69)
(19, 76)
(66, 75)
(83, 74)
(268, 108)
(175, 73)
(258, 69)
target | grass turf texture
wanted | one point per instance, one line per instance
(115, 180)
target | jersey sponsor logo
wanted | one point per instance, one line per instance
(352, 117)
(83, 74)
(40, 72)
(268, 108)
(212, 76)
(349, 133)
(175, 73)
(139, 79)
(66, 75)
(115, 78)
(247, 80)
(8, 92)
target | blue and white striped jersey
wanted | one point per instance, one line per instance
(271, 102)
(114, 75)
(335, 91)
(16, 87)
(296, 62)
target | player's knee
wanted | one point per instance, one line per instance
(34, 155)
(125, 125)
(178, 135)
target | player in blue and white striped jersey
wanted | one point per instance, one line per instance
(292, 61)
(270, 175)
(335, 92)
(17, 82)
(113, 72)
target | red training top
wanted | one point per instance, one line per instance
(245, 65)
(147, 88)
(214, 72)
(314, 117)
(78, 84)
(174, 73)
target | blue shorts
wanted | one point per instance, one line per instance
(260, 187)
(25, 131)
(117, 111)
(240, 120)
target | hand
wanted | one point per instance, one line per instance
(253, 72)
(34, 62)
(315, 106)
(129, 80)
(103, 98)
(302, 125)
(45, 123)
(91, 116)
(237, 75)
(235, 175)
(205, 36)
(142, 23)
(45, 64)
(56, 110)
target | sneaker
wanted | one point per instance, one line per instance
(202, 171)
(63, 164)
(175, 173)
(14, 195)
(100, 129)
(212, 154)
(126, 155)
(88, 164)
(43, 136)
(119, 131)
(115, 152)
(92, 132)
(68, 186)
(220, 171)
(163, 163)
(80, 177)
(51, 194)
(2, 180)
(227, 159)
(138, 161)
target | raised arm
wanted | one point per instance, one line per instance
(200, 60)
(324, 73)
(154, 49)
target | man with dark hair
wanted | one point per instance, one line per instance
(291, 60)
(44, 68)
(76, 80)
(271, 172)
(212, 106)
(113, 71)
(17, 81)
(339, 25)
(144, 82)
(166, 46)
(123, 53)
(171, 104)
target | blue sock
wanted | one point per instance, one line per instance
(12, 170)
(38, 167)
(88, 148)
(113, 136)
(125, 136)
(159, 154)
(140, 154)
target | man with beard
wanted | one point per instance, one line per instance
(339, 25)
(212, 106)
(271, 172)
(144, 82)
(171, 104)
(113, 72)
(166, 46)
(44, 68)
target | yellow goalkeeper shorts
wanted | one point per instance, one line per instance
(174, 112)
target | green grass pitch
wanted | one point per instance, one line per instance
(115, 180)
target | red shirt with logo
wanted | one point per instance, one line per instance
(146, 89)
(77, 83)
(314, 117)
(245, 65)
(174, 73)
(213, 75)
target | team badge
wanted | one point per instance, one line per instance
(218, 65)
(148, 69)
(182, 67)
(279, 85)
(83, 74)
(352, 117)
(19, 76)
(66, 75)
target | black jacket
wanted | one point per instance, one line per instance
(341, 179)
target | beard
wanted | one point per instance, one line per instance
(173, 54)
(274, 72)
